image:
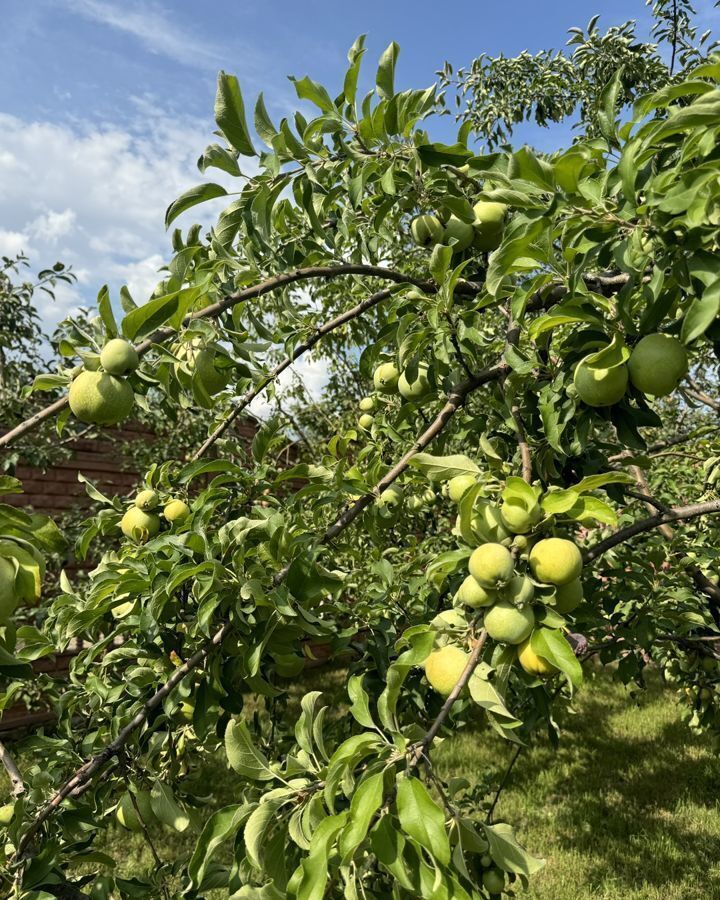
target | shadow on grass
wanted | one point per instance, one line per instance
(629, 800)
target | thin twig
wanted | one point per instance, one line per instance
(420, 749)
(17, 784)
(518, 750)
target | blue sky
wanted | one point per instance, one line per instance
(105, 105)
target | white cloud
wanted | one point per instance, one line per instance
(95, 197)
(155, 27)
(14, 242)
(51, 226)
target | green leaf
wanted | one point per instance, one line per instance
(307, 89)
(613, 354)
(198, 194)
(443, 468)
(263, 122)
(218, 157)
(388, 845)
(355, 55)
(314, 869)
(259, 825)
(385, 78)
(242, 754)
(230, 114)
(221, 826)
(701, 313)
(607, 108)
(508, 854)
(485, 695)
(593, 508)
(444, 154)
(593, 482)
(366, 801)
(360, 709)
(550, 644)
(166, 808)
(106, 314)
(10, 485)
(556, 502)
(519, 491)
(170, 309)
(422, 819)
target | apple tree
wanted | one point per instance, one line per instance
(523, 337)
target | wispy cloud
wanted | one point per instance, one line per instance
(152, 25)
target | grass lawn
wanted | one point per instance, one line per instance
(628, 807)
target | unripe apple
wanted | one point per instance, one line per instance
(458, 234)
(386, 378)
(365, 421)
(367, 404)
(419, 387)
(489, 224)
(459, 486)
(426, 230)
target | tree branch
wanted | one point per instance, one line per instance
(677, 514)
(215, 309)
(255, 391)
(17, 785)
(89, 769)
(419, 750)
(607, 283)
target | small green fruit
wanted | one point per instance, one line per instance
(366, 421)
(139, 526)
(491, 565)
(119, 357)
(7, 814)
(417, 389)
(658, 364)
(508, 624)
(459, 486)
(426, 230)
(555, 561)
(386, 378)
(458, 234)
(494, 881)
(600, 387)
(367, 404)
(568, 596)
(519, 590)
(518, 519)
(97, 398)
(474, 595)
(147, 499)
(176, 511)
(489, 224)
(444, 667)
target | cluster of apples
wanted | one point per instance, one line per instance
(484, 232)
(656, 366)
(140, 522)
(509, 586)
(388, 380)
(104, 396)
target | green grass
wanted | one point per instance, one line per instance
(628, 806)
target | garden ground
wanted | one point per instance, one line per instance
(627, 807)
